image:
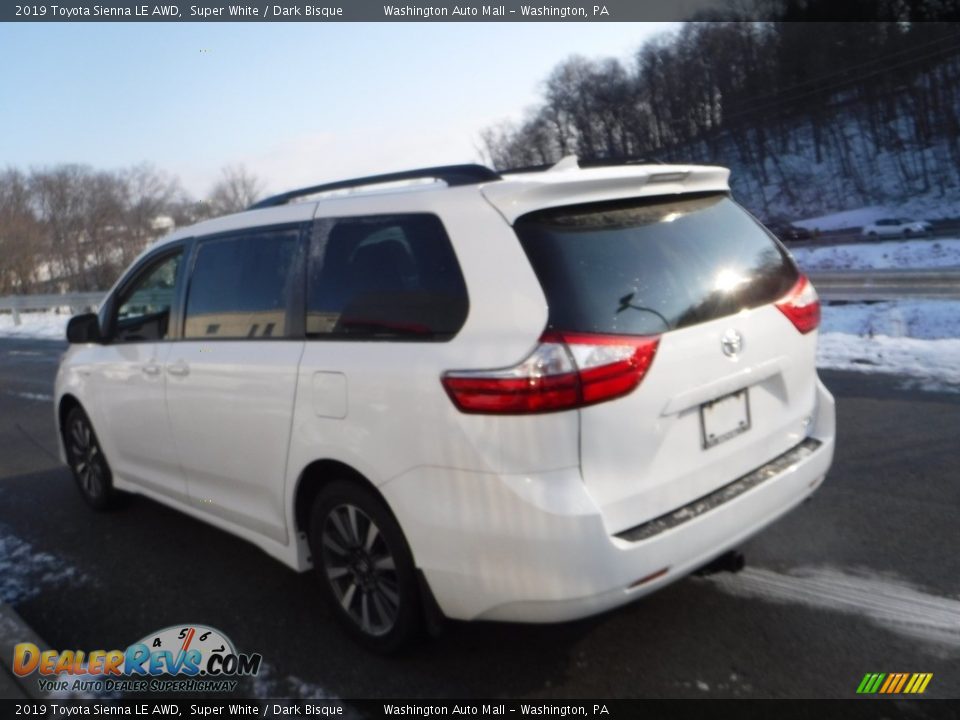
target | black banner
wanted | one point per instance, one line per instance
(466, 11)
(610, 709)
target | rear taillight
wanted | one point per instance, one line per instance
(801, 305)
(565, 371)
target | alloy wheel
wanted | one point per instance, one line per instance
(87, 462)
(360, 567)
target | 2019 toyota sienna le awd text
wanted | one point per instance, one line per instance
(526, 397)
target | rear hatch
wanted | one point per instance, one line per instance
(732, 381)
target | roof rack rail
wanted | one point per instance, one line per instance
(572, 161)
(450, 174)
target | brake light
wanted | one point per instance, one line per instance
(565, 371)
(801, 305)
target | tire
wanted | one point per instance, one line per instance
(365, 566)
(87, 461)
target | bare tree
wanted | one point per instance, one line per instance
(149, 195)
(871, 108)
(236, 190)
(20, 235)
(59, 195)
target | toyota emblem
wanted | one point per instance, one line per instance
(732, 343)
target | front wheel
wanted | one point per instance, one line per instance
(86, 460)
(365, 566)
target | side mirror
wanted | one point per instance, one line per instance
(83, 328)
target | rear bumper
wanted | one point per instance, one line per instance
(535, 548)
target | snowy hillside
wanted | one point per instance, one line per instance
(792, 184)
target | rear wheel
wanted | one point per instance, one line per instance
(365, 566)
(86, 460)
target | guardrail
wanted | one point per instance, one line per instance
(887, 284)
(840, 285)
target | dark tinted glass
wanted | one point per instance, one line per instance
(241, 286)
(144, 312)
(384, 277)
(642, 267)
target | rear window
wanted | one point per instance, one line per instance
(647, 266)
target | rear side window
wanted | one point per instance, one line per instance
(647, 266)
(384, 277)
(241, 286)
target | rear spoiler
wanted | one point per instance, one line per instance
(568, 184)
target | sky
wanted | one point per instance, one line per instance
(295, 103)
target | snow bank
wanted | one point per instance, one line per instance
(916, 339)
(919, 319)
(35, 325)
(935, 363)
(880, 255)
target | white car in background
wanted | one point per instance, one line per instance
(898, 227)
(526, 396)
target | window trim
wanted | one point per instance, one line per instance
(135, 274)
(296, 301)
(313, 236)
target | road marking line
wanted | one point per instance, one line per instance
(39, 397)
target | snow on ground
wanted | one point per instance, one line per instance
(35, 325)
(847, 219)
(23, 569)
(892, 603)
(932, 365)
(856, 219)
(916, 339)
(268, 684)
(896, 319)
(898, 254)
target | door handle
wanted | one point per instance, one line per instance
(179, 368)
(150, 369)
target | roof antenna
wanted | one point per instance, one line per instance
(568, 162)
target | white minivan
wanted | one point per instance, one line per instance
(526, 397)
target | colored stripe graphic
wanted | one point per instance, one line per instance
(894, 683)
(926, 681)
(899, 687)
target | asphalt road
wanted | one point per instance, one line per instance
(865, 577)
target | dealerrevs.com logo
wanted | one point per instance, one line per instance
(180, 658)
